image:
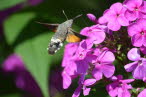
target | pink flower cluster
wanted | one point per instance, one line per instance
(107, 42)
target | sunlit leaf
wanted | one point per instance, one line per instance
(34, 53)
(15, 24)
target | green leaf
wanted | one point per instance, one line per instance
(14, 25)
(34, 54)
(9, 3)
(12, 95)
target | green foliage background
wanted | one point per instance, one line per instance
(23, 36)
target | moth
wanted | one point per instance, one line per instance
(63, 32)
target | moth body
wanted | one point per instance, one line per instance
(59, 37)
(63, 32)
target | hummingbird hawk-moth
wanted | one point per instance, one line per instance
(63, 32)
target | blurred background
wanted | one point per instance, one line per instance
(26, 69)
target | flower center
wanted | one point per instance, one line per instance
(140, 62)
(90, 30)
(98, 62)
(118, 14)
(81, 55)
(142, 32)
(136, 9)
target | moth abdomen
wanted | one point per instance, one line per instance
(54, 46)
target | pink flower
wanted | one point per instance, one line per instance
(119, 87)
(75, 62)
(136, 9)
(23, 79)
(138, 67)
(83, 85)
(92, 18)
(67, 80)
(12, 63)
(69, 64)
(70, 50)
(114, 17)
(103, 65)
(143, 49)
(142, 93)
(133, 54)
(137, 31)
(96, 34)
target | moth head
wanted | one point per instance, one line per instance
(54, 46)
(68, 23)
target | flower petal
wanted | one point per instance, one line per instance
(137, 40)
(143, 8)
(127, 81)
(133, 29)
(130, 15)
(108, 70)
(13, 62)
(117, 7)
(109, 15)
(144, 40)
(123, 21)
(99, 37)
(97, 73)
(66, 80)
(86, 91)
(131, 4)
(140, 72)
(82, 66)
(134, 54)
(89, 42)
(112, 89)
(77, 91)
(143, 49)
(118, 77)
(85, 31)
(142, 94)
(123, 93)
(114, 25)
(131, 66)
(71, 69)
(91, 17)
(106, 57)
(102, 20)
(141, 24)
(89, 82)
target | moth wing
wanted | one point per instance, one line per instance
(73, 36)
(52, 27)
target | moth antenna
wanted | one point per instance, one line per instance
(64, 14)
(77, 16)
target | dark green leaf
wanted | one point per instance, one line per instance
(12, 95)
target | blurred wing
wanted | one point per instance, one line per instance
(52, 27)
(72, 36)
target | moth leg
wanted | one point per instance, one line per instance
(47, 24)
